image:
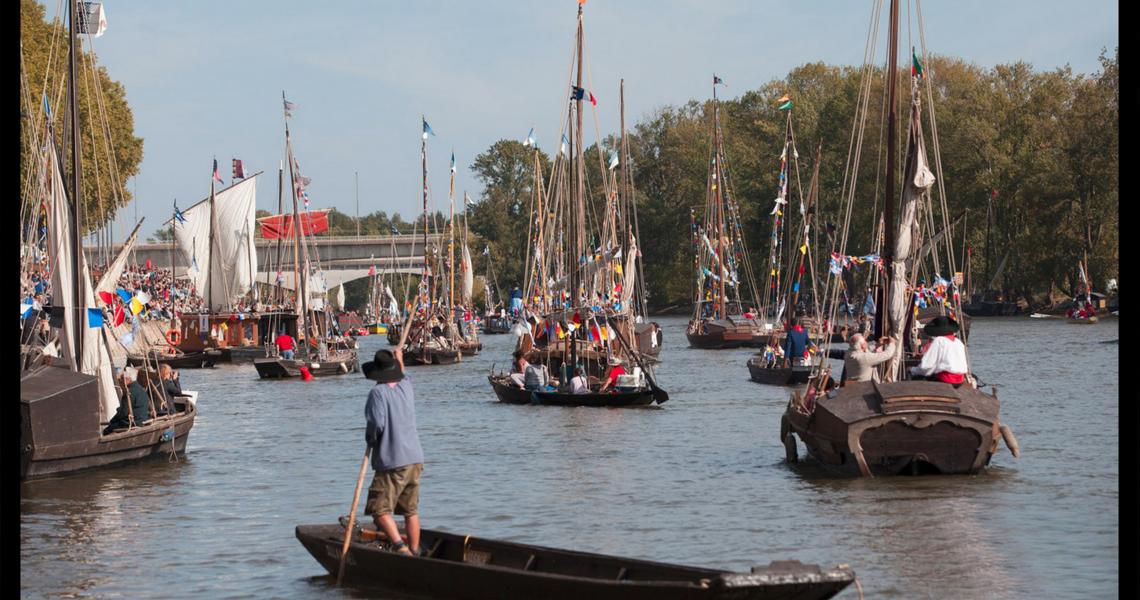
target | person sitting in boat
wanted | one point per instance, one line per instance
(285, 345)
(516, 301)
(579, 384)
(773, 354)
(945, 358)
(617, 369)
(170, 385)
(796, 344)
(397, 455)
(518, 370)
(535, 377)
(860, 362)
(139, 404)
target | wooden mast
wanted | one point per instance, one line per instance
(719, 179)
(423, 171)
(576, 199)
(301, 279)
(76, 174)
(882, 322)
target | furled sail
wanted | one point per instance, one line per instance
(95, 359)
(468, 277)
(110, 278)
(231, 265)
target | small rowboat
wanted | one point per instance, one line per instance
(182, 360)
(513, 395)
(459, 566)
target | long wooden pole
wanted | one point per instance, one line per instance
(76, 197)
(882, 317)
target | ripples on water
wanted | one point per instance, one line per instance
(698, 481)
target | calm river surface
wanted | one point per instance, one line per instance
(700, 481)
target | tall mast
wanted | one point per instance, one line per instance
(76, 173)
(210, 247)
(451, 244)
(280, 211)
(882, 323)
(575, 195)
(302, 278)
(423, 171)
(719, 179)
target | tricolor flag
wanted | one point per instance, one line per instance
(786, 102)
(578, 93)
(916, 67)
(239, 172)
(216, 176)
(717, 80)
(289, 106)
(529, 141)
(427, 129)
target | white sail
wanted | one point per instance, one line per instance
(108, 281)
(629, 277)
(231, 265)
(468, 277)
(95, 359)
(393, 306)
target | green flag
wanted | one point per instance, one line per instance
(916, 68)
(785, 106)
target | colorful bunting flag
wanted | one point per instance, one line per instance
(94, 318)
(427, 129)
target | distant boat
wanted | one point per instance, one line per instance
(1040, 316)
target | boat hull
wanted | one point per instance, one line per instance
(188, 360)
(909, 427)
(467, 567)
(496, 325)
(1087, 321)
(280, 368)
(432, 357)
(794, 375)
(512, 395)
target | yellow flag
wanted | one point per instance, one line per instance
(617, 268)
(136, 306)
(803, 249)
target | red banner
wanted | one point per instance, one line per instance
(281, 226)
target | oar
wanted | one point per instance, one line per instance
(364, 465)
(659, 395)
(352, 515)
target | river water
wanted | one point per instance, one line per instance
(699, 481)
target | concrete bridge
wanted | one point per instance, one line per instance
(342, 258)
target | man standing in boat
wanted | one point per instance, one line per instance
(397, 455)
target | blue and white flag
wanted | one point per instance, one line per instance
(47, 107)
(529, 141)
(453, 161)
(25, 310)
(564, 142)
(427, 129)
(178, 216)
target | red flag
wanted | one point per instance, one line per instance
(107, 297)
(216, 176)
(148, 267)
(119, 316)
(372, 271)
(239, 172)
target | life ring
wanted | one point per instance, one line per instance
(173, 337)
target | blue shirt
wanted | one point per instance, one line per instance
(391, 415)
(795, 344)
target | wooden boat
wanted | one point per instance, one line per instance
(649, 338)
(1079, 321)
(430, 354)
(337, 363)
(494, 324)
(714, 334)
(777, 375)
(468, 567)
(61, 432)
(908, 427)
(510, 394)
(182, 360)
(899, 426)
(377, 329)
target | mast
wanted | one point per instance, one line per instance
(303, 286)
(451, 246)
(280, 211)
(576, 196)
(76, 174)
(882, 322)
(210, 246)
(423, 172)
(719, 178)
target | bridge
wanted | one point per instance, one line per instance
(342, 258)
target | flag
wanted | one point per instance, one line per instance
(717, 80)
(143, 297)
(47, 108)
(578, 93)
(216, 176)
(916, 67)
(593, 100)
(94, 318)
(564, 142)
(148, 265)
(786, 102)
(239, 172)
(427, 129)
(395, 231)
(178, 216)
(613, 160)
(289, 106)
(136, 306)
(124, 294)
(453, 162)
(595, 333)
(107, 297)
(119, 315)
(529, 141)
(486, 251)
(25, 310)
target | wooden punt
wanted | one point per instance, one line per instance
(182, 360)
(337, 363)
(468, 567)
(905, 427)
(513, 395)
(432, 356)
(793, 375)
(709, 334)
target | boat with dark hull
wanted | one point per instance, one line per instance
(494, 324)
(511, 394)
(715, 334)
(337, 363)
(182, 360)
(910, 427)
(761, 373)
(60, 429)
(469, 567)
(432, 356)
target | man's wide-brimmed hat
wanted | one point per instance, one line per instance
(940, 325)
(383, 368)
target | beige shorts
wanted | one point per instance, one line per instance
(395, 491)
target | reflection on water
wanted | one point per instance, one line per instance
(700, 480)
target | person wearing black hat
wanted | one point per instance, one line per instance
(397, 455)
(945, 359)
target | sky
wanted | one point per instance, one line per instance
(204, 78)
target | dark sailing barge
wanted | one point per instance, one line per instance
(60, 430)
(906, 427)
(619, 399)
(458, 566)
